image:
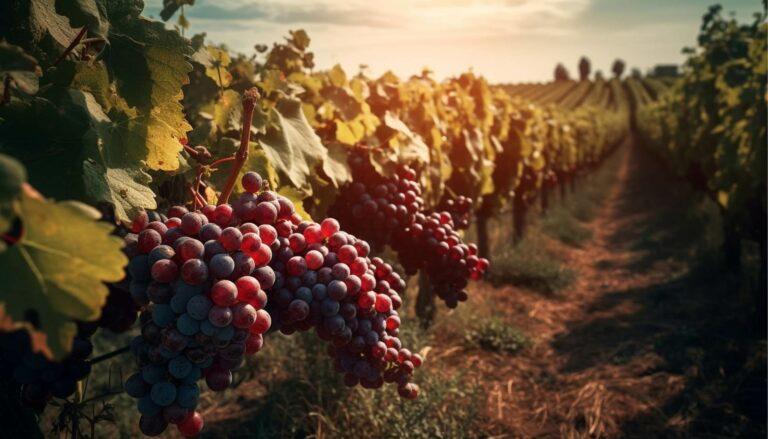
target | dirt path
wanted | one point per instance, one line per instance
(627, 350)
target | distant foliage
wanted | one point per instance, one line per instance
(585, 68)
(618, 68)
(561, 73)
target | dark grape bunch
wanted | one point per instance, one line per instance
(201, 277)
(375, 207)
(40, 378)
(390, 211)
(460, 209)
(432, 244)
(325, 280)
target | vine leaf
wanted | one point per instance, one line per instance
(292, 145)
(150, 66)
(85, 13)
(56, 271)
(107, 176)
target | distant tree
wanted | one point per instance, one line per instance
(599, 75)
(636, 73)
(561, 73)
(618, 68)
(585, 67)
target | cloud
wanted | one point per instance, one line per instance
(334, 13)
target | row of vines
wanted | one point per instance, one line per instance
(710, 128)
(209, 198)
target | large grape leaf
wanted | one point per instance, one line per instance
(411, 146)
(292, 146)
(85, 13)
(150, 66)
(336, 165)
(56, 272)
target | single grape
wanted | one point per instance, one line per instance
(224, 293)
(194, 272)
(243, 315)
(188, 395)
(218, 378)
(192, 425)
(163, 393)
(162, 315)
(199, 306)
(153, 425)
(135, 386)
(251, 182)
(187, 325)
(179, 367)
(147, 407)
(220, 316)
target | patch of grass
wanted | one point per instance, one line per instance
(494, 334)
(561, 225)
(303, 396)
(530, 265)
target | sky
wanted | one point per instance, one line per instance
(503, 40)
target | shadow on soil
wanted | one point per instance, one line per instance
(695, 323)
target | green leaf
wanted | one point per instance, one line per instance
(292, 145)
(336, 166)
(150, 66)
(300, 39)
(58, 268)
(337, 76)
(48, 140)
(349, 133)
(227, 111)
(108, 176)
(412, 147)
(127, 189)
(85, 13)
(217, 68)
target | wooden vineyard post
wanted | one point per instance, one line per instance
(519, 213)
(481, 226)
(425, 301)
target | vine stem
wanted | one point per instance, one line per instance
(249, 102)
(71, 46)
(222, 160)
(190, 150)
(109, 355)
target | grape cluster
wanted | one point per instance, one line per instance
(390, 211)
(431, 244)
(40, 378)
(201, 277)
(325, 280)
(460, 209)
(375, 207)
